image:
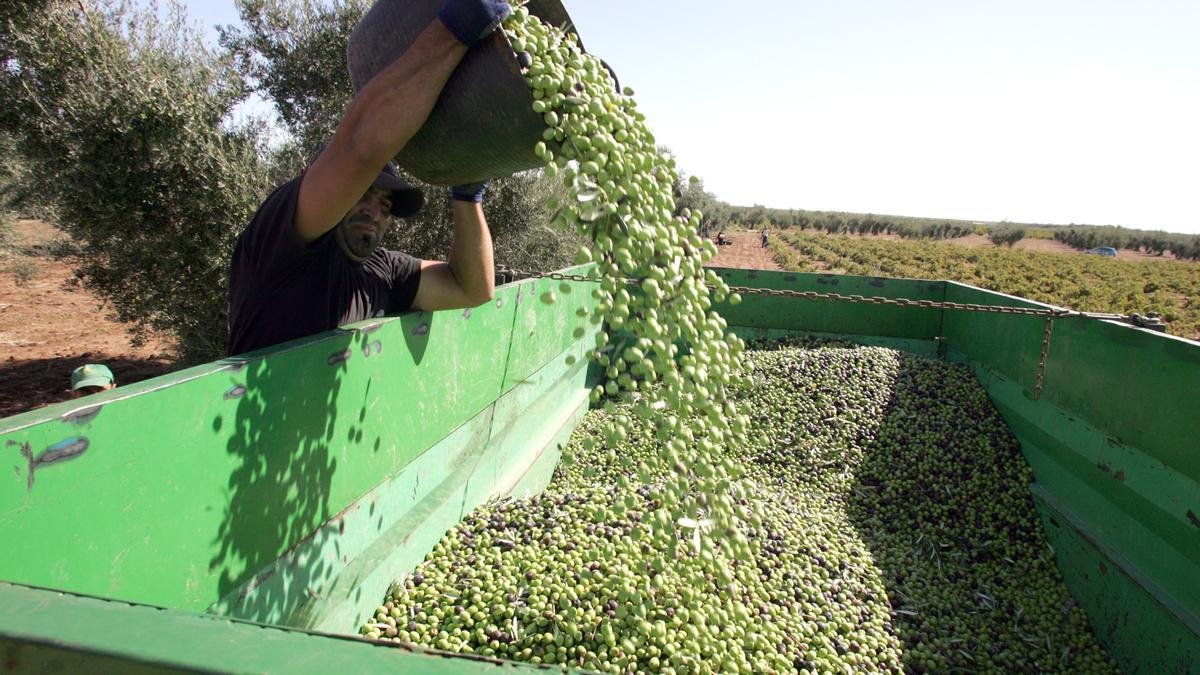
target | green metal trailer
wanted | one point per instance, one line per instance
(248, 514)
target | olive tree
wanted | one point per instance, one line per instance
(123, 119)
(18, 193)
(293, 52)
(1006, 234)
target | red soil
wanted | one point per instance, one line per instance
(49, 325)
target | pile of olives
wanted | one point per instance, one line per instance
(888, 525)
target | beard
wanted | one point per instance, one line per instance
(359, 244)
(364, 241)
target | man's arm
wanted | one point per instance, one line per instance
(385, 114)
(388, 111)
(469, 278)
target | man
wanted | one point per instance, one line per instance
(91, 379)
(764, 237)
(310, 259)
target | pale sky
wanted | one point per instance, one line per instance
(1051, 111)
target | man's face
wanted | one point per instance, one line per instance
(362, 229)
(88, 391)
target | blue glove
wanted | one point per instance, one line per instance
(472, 20)
(471, 192)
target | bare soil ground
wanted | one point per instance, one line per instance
(1044, 246)
(49, 325)
(1027, 244)
(746, 252)
(971, 240)
(1126, 254)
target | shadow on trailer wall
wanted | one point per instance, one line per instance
(159, 525)
(290, 486)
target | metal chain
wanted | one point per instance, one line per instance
(902, 302)
(1050, 313)
(1041, 370)
(816, 295)
(1149, 321)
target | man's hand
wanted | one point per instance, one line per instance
(470, 192)
(472, 20)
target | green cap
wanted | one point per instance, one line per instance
(91, 375)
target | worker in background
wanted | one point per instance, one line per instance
(764, 237)
(310, 260)
(91, 379)
(721, 238)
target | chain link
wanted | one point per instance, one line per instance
(1054, 312)
(902, 302)
(1041, 370)
(1050, 313)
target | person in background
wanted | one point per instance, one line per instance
(310, 259)
(764, 237)
(91, 379)
(721, 238)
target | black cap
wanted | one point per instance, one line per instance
(406, 199)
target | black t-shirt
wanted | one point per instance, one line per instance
(281, 289)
